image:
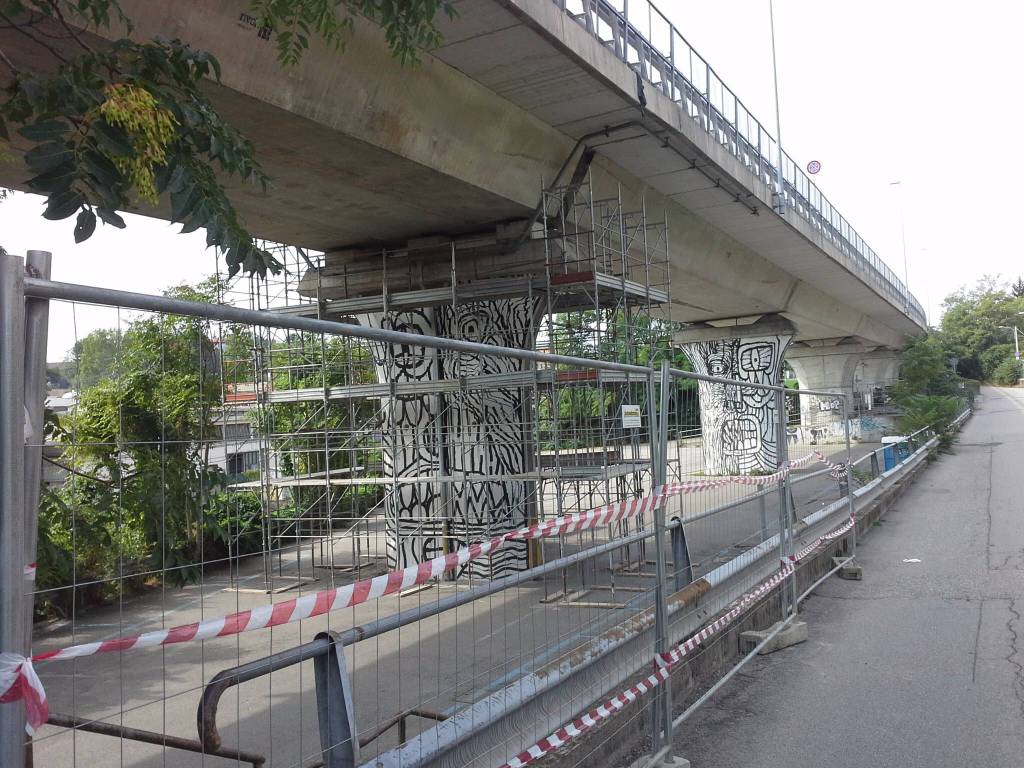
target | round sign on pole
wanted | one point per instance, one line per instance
(813, 167)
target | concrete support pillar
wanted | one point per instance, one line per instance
(456, 434)
(828, 368)
(877, 369)
(739, 424)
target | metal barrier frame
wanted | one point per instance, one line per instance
(334, 700)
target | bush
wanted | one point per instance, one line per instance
(993, 357)
(1007, 372)
(87, 541)
(933, 412)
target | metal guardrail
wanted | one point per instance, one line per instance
(642, 36)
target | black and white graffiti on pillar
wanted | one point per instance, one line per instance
(738, 423)
(413, 521)
(482, 436)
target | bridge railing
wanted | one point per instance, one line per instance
(644, 38)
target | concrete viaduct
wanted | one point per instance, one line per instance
(527, 95)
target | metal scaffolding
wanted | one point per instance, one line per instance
(588, 278)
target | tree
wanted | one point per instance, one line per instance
(929, 393)
(92, 358)
(926, 370)
(616, 335)
(1017, 289)
(992, 358)
(109, 127)
(975, 320)
(1007, 372)
(139, 488)
(55, 378)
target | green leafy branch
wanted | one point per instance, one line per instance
(408, 24)
(113, 127)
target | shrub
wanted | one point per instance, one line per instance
(1007, 372)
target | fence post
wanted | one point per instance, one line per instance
(12, 493)
(661, 704)
(785, 535)
(339, 741)
(37, 314)
(762, 514)
(681, 566)
(849, 479)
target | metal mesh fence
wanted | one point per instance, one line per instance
(271, 539)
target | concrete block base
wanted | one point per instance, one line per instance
(850, 571)
(791, 635)
(665, 762)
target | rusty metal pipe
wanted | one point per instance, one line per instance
(399, 720)
(151, 737)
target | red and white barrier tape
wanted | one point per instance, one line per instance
(24, 682)
(20, 681)
(585, 722)
(835, 534)
(665, 661)
(693, 486)
(673, 657)
(838, 470)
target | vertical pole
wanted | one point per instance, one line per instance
(784, 495)
(37, 314)
(762, 510)
(683, 570)
(905, 290)
(781, 207)
(625, 31)
(661, 705)
(849, 479)
(672, 61)
(12, 493)
(441, 404)
(339, 742)
(1016, 347)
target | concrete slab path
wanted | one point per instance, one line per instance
(921, 664)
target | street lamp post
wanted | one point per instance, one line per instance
(903, 235)
(781, 200)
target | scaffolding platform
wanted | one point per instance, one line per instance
(592, 472)
(513, 380)
(586, 278)
(571, 291)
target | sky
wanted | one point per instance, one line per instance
(923, 93)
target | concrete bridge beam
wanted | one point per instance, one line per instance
(740, 424)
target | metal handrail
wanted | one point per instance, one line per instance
(206, 713)
(684, 76)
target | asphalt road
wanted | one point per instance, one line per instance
(921, 663)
